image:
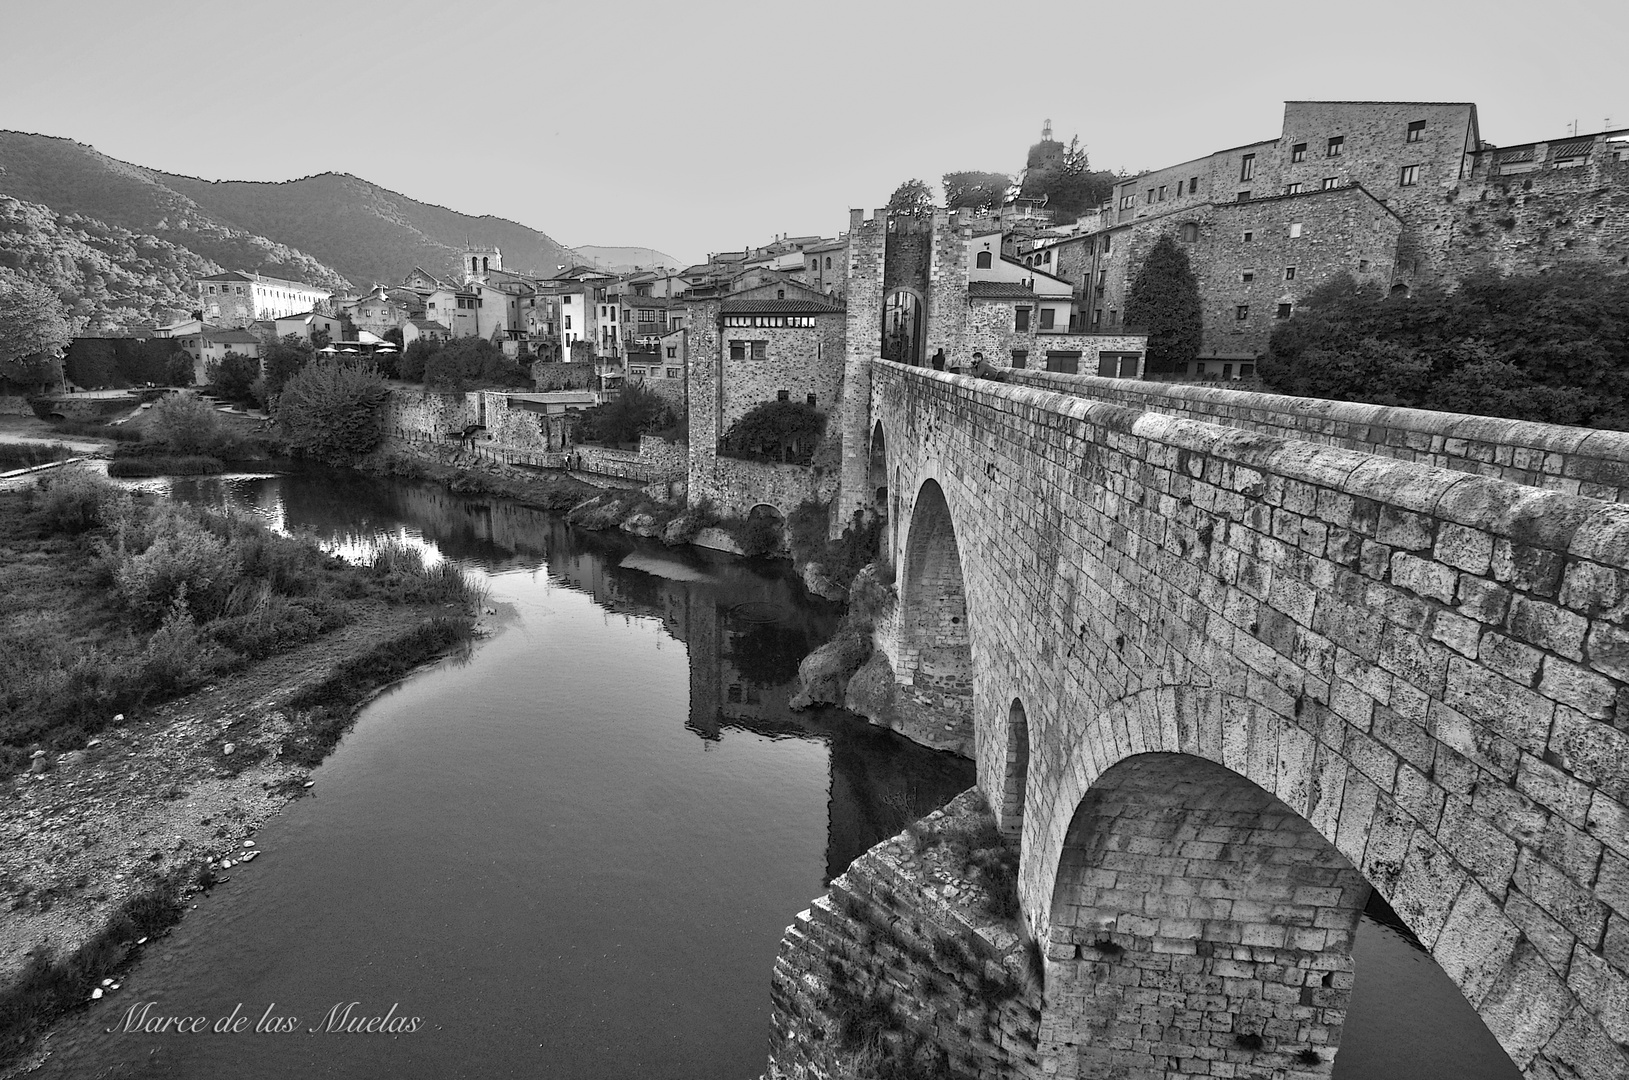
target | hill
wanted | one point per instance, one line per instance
(622, 259)
(122, 242)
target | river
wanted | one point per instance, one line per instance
(573, 853)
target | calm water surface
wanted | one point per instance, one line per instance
(573, 853)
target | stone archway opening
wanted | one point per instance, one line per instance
(1196, 919)
(765, 532)
(1015, 787)
(879, 476)
(936, 655)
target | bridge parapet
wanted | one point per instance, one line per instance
(1578, 461)
(1429, 667)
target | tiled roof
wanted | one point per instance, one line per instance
(1000, 290)
(427, 324)
(781, 307)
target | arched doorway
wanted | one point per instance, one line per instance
(879, 478)
(902, 327)
(936, 655)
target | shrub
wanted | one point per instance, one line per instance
(330, 411)
(233, 376)
(178, 657)
(185, 565)
(634, 412)
(76, 501)
(467, 363)
(186, 425)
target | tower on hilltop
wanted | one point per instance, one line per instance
(480, 261)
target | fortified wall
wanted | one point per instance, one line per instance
(1541, 220)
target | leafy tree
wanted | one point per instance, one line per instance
(911, 197)
(187, 424)
(634, 412)
(92, 363)
(282, 360)
(1063, 174)
(414, 357)
(973, 190)
(785, 431)
(331, 410)
(34, 329)
(469, 363)
(233, 376)
(1164, 301)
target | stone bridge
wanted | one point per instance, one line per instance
(1231, 661)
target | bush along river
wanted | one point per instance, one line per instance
(574, 853)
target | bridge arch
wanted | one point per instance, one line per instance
(935, 638)
(1015, 788)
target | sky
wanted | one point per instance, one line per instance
(702, 126)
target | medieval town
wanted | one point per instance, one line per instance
(1066, 623)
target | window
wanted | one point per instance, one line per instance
(1363, 266)
(1283, 311)
(1114, 317)
(1193, 184)
(673, 373)
(1335, 146)
(828, 262)
(1295, 229)
(1020, 358)
(1020, 319)
(568, 322)
(1247, 168)
(1408, 176)
(1106, 240)
(672, 352)
(1289, 273)
(1248, 276)
(738, 350)
(1097, 318)
(1416, 129)
(982, 260)
(1298, 152)
(1331, 182)
(1150, 196)
(1047, 316)
(810, 400)
(1162, 192)
(1249, 235)
(1067, 362)
(1127, 201)
(780, 294)
(783, 395)
(1243, 196)
(1102, 280)
(760, 350)
(1292, 189)
(1241, 312)
(212, 290)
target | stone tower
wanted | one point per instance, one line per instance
(479, 261)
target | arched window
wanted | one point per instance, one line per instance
(983, 260)
(1190, 231)
(473, 265)
(780, 294)
(483, 264)
(828, 262)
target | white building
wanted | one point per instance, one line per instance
(235, 299)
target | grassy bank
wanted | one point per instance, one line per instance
(545, 491)
(112, 604)
(28, 455)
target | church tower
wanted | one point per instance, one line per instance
(480, 261)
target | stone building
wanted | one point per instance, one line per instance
(236, 299)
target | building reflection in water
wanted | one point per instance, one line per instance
(746, 624)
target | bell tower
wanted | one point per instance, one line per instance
(480, 261)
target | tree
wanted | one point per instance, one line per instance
(911, 197)
(233, 376)
(34, 329)
(331, 410)
(282, 360)
(634, 412)
(92, 363)
(411, 366)
(1164, 302)
(468, 363)
(1063, 174)
(972, 190)
(187, 424)
(785, 431)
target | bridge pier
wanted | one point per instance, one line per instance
(1200, 927)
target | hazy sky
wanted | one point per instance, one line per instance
(700, 126)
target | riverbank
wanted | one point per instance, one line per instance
(109, 821)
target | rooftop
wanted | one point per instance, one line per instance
(780, 307)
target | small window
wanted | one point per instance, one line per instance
(568, 322)
(1106, 240)
(1150, 196)
(1020, 358)
(1020, 320)
(1227, 371)
(1190, 231)
(1246, 370)
(1295, 229)
(1248, 276)
(1249, 235)
(1363, 266)
(1097, 318)
(760, 350)
(1047, 316)
(1292, 189)
(1247, 168)
(212, 290)
(1193, 184)
(783, 395)
(1102, 280)
(1114, 317)
(1241, 312)
(738, 350)
(810, 400)
(1298, 152)
(1289, 273)
(1416, 130)
(1408, 176)
(1331, 182)
(1162, 192)
(673, 373)
(672, 352)
(982, 260)
(828, 262)
(780, 294)
(1243, 196)
(1284, 311)
(1336, 146)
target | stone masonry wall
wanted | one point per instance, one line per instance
(799, 361)
(423, 415)
(1425, 665)
(1540, 220)
(1577, 461)
(903, 964)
